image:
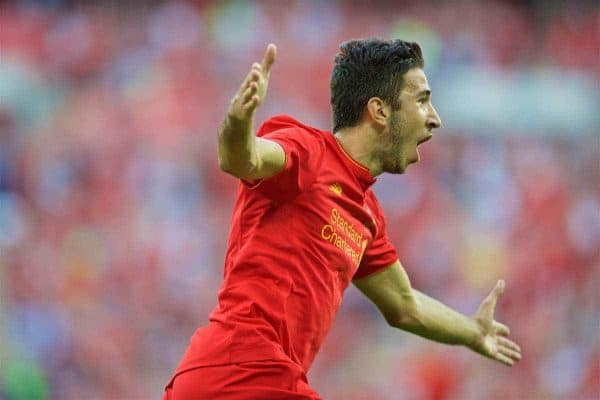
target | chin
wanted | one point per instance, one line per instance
(404, 166)
(399, 168)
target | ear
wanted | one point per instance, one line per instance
(378, 111)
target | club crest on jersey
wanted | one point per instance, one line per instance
(336, 188)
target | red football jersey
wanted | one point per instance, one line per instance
(297, 240)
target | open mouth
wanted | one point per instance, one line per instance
(426, 138)
(421, 141)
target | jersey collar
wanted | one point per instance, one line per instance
(362, 173)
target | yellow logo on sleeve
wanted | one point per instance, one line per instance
(336, 188)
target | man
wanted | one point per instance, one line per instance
(306, 223)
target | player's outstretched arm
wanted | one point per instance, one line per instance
(240, 152)
(412, 311)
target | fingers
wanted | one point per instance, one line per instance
(249, 92)
(248, 101)
(509, 344)
(253, 76)
(245, 98)
(504, 359)
(269, 58)
(500, 329)
(489, 303)
(498, 290)
(254, 86)
(260, 69)
(509, 352)
(506, 351)
(251, 105)
(512, 354)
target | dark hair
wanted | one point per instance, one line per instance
(369, 68)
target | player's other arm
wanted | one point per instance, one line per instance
(408, 309)
(240, 152)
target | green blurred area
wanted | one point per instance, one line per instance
(23, 380)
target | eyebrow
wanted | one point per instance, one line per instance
(425, 93)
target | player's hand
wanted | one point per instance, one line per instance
(253, 90)
(493, 341)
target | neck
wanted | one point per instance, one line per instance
(358, 141)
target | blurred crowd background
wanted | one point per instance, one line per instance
(114, 216)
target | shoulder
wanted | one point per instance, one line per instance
(284, 122)
(283, 128)
(373, 204)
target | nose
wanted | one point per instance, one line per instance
(433, 121)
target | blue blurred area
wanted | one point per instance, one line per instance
(114, 216)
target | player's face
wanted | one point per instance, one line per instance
(411, 125)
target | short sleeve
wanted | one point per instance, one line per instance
(381, 253)
(303, 147)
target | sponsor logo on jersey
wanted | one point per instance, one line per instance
(342, 234)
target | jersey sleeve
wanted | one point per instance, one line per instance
(303, 149)
(381, 253)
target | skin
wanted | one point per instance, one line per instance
(385, 140)
(240, 152)
(410, 310)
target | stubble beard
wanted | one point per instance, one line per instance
(393, 157)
